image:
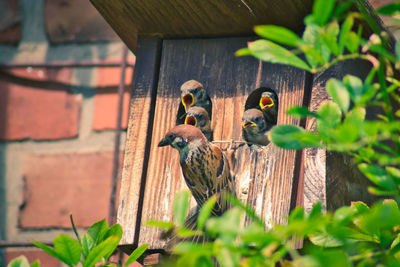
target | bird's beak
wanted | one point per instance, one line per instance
(164, 142)
(191, 120)
(248, 124)
(187, 100)
(266, 102)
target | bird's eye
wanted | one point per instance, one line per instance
(180, 142)
(200, 117)
(195, 91)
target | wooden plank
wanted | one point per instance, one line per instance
(266, 182)
(141, 114)
(187, 18)
(120, 20)
(332, 178)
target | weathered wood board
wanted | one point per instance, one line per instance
(229, 80)
(140, 126)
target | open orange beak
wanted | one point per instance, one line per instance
(248, 124)
(187, 101)
(191, 120)
(266, 102)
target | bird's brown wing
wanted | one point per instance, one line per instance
(223, 183)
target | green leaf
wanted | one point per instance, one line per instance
(227, 225)
(160, 224)
(293, 137)
(181, 205)
(397, 51)
(351, 41)
(184, 232)
(51, 252)
(296, 215)
(106, 247)
(273, 53)
(322, 10)
(68, 247)
(355, 116)
(36, 263)
(331, 43)
(301, 112)
(97, 229)
(243, 52)
(21, 261)
(115, 229)
(330, 116)
(378, 176)
(87, 244)
(324, 240)
(205, 212)
(278, 34)
(339, 93)
(347, 133)
(381, 192)
(189, 247)
(355, 87)
(389, 9)
(331, 258)
(136, 254)
(346, 27)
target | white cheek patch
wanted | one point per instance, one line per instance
(194, 144)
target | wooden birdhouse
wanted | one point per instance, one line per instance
(176, 41)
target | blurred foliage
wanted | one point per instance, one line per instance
(94, 248)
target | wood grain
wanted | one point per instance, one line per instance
(203, 18)
(228, 80)
(140, 125)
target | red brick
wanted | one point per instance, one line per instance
(44, 112)
(32, 254)
(57, 185)
(106, 100)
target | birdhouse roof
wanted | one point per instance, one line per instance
(200, 18)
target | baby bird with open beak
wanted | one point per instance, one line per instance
(255, 128)
(269, 106)
(198, 117)
(204, 166)
(193, 94)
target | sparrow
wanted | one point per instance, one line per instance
(194, 94)
(255, 128)
(269, 106)
(198, 117)
(204, 166)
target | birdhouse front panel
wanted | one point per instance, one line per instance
(263, 174)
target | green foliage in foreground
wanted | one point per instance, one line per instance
(352, 236)
(94, 248)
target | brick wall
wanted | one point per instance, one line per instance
(57, 126)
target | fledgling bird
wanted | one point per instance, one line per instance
(269, 106)
(198, 117)
(255, 128)
(194, 94)
(204, 166)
